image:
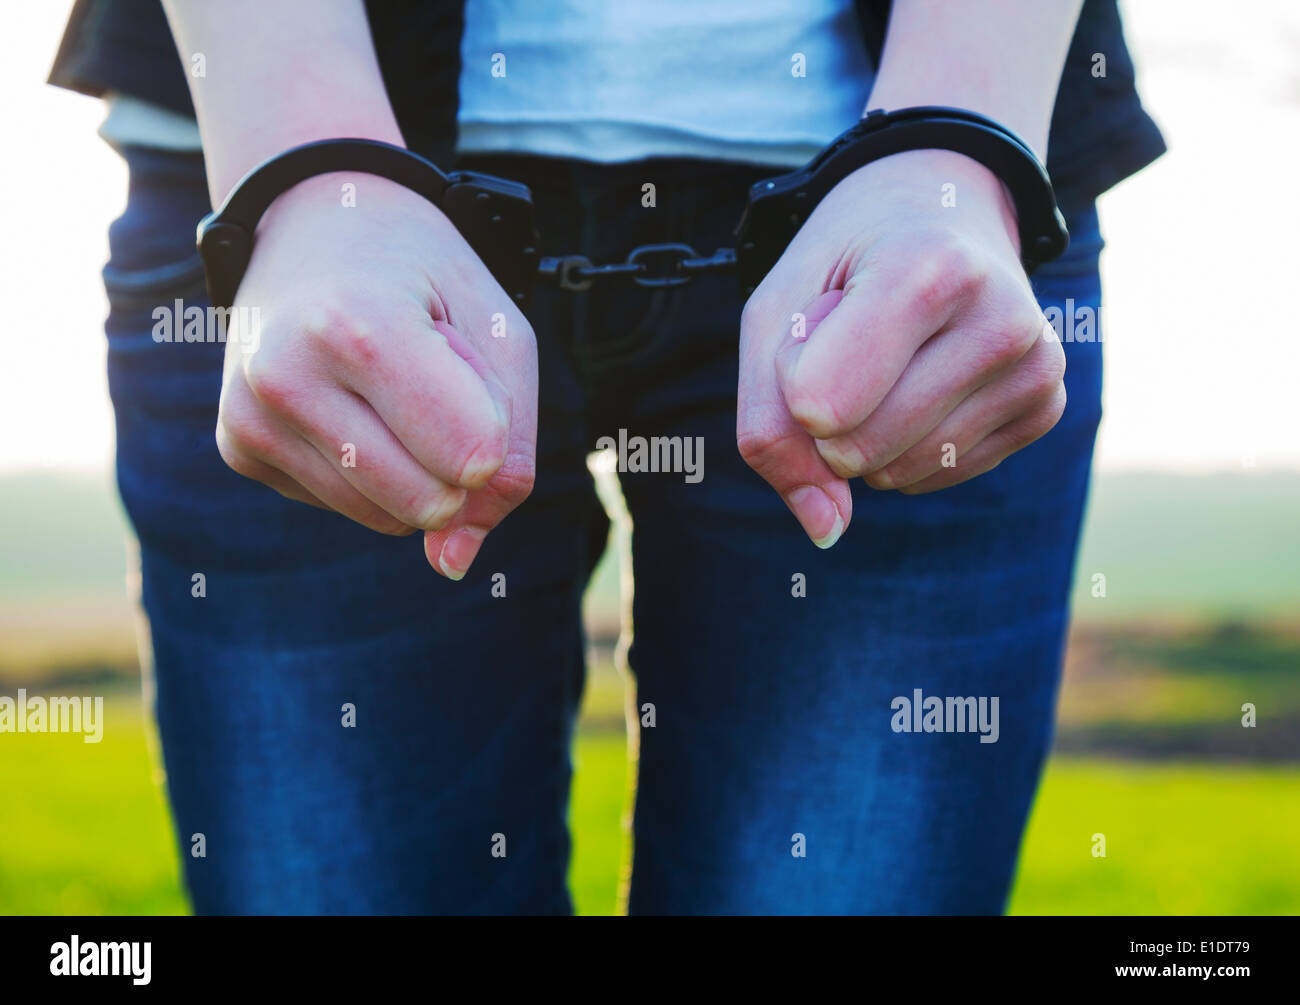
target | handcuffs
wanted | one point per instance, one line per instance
(495, 215)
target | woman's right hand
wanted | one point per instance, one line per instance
(390, 379)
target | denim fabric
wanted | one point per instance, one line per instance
(772, 712)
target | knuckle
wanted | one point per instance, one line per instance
(1010, 327)
(339, 330)
(1039, 376)
(766, 453)
(245, 437)
(358, 346)
(1057, 366)
(949, 272)
(758, 308)
(514, 484)
(1042, 421)
(755, 446)
(1049, 374)
(1056, 406)
(231, 453)
(957, 258)
(1030, 324)
(1031, 320)
(1002, 346)
(272, 384)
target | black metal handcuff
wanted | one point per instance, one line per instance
(495, 216)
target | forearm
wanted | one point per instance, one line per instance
(277, 73)
(1002, 58)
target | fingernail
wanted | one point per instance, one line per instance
(882, 480)
(844, 458)
(483, 463)
(825, 542)
(442, 509)
(817, 514)
(459, 550)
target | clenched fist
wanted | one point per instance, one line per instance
(393, 380)
(897, 340)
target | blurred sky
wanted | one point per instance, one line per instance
(1203, 358)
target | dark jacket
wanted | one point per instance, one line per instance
(1100, 132)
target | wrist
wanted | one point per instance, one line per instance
(387, 203)
(1026, 118)
(228, 162)
(978, 186)
(930, 182)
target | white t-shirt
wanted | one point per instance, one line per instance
(764, 81)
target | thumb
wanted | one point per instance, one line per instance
(452, 549)
(772, 442)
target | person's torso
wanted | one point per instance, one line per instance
(1100, 131)
(765, 81)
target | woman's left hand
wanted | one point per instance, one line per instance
(897, 339)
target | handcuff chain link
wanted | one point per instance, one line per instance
(655, 266)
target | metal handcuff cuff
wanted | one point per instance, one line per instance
(495, 216)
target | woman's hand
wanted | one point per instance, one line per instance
(920, 360)
(393, 380)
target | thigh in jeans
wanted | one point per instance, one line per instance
(773, 779)
(346, 730)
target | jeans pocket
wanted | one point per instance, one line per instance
(130, 289)
(153, 260)
(151, 311)
(154, 279)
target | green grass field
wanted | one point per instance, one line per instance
(1180, 839)
(83, 827)
(84, 830)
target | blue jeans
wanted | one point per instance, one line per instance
(773, 779)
